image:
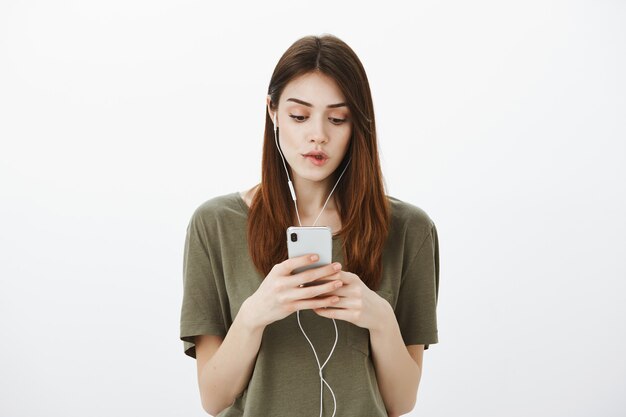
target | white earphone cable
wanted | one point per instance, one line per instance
(293, 196)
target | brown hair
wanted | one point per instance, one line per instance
(362, 204)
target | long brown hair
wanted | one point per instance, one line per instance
(362, 204)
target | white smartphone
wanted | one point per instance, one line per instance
(302, 240)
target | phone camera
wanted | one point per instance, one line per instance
(294, 237)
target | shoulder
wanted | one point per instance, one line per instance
(409, 217)
(410, 227)
(212, 210)
(215, 204)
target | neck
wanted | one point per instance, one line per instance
(311, 196)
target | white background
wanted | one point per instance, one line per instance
(504, 121)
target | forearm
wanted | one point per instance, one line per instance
(228, 371)
(397, 373)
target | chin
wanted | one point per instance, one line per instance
(315, 178)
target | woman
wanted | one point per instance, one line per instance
(259, 335)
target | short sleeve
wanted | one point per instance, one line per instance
(416, 309)
(201, 311)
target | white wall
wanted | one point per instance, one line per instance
(503, 120)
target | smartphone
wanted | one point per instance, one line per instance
(302, 240)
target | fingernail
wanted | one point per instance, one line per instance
(337, 266)
(314, 257)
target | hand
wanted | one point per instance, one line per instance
(357, 303)
(281, 293)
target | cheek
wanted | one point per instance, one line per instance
(287, 139)
(345, 135)
(345, 138)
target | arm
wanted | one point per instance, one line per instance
(222, 376)
(397, 372)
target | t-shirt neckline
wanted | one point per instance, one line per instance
(246, 209)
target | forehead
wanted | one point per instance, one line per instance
(315, 88)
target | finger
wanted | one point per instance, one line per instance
(333, 313)
(288, 265)
(316, 303)
(316, 290)
(314, 274)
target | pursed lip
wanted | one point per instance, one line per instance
(314, 153)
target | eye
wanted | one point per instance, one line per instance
(297, 118)
(333, 120)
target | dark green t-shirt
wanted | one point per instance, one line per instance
(218, 276)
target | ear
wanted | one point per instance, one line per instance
(269, 110)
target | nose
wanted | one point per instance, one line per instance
(317, 132)
(318, 139)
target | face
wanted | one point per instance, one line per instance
(307, 124)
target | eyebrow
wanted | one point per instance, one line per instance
(304, 103)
